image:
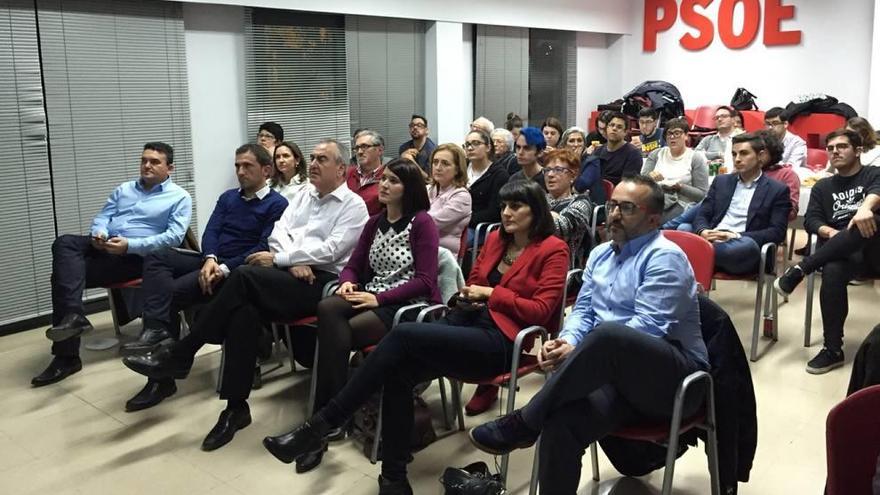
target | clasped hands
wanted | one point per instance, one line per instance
(358, 299)
(113, 245)
(718, 235)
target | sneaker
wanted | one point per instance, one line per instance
(825, 361)
(503, 435)
(785, 284)
(482, 400)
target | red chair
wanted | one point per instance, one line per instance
(591, 123)
(689, 116)
(852, 443)
(817, 159)
(704, 118)
(700, 253)
(813, 127)
(753, 120)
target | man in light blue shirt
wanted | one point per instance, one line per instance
(139, 217)
(633, 335)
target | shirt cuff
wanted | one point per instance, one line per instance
(280, 259)
(224, 269)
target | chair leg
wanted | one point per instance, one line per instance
(775, 297)
(290, 348)
(455, 389)
(374, 453)
(753, 354)
(443, 403)
(791, 243)
(594, 458)
(533, 482)
(808, 313)
(112, 301)
(313, 386)
(511, 404)
(222, 365)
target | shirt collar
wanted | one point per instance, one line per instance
(372, 175)
(158, 187)
(749, 185)
(339, 193)
(259, 194)
(635, 245)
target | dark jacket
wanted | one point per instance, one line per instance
(485, 202)
(735, 410)
(508, 162)
(767, 217)
(829, 104)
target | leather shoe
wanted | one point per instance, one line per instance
(60, 368)
(72, 325)
(293, 444)
(388, 487)
(148, 341)
(230, 421)
(159, 364)
(153, 393)
(310, 460)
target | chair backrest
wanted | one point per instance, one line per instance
(449, 277)
(817, 159)
(609, 188)
(462, 246)
(813, 127)
(852, 443)
(699, 252)
(704, 117)
(753, 120)
(190, 241)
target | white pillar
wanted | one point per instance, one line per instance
(449, 94)
(874, 76)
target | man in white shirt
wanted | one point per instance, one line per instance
(795, 148)
(309, 246)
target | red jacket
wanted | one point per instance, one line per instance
(530, 292)
(369, 191)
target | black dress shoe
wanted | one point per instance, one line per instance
(310, 460)
(153, 393)
(148, 341)
(293, 444)
(159, 364)
(388, 487)
(72, 325)
(60, 368)
(230, 421)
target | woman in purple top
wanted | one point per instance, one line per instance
(448, 194)
(393, 264)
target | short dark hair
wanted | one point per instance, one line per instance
(552, 122)
(762, 140)
(776, 112)
(415, 195)
(680, 123)
(605, 116)
(618, 115)
(258, 151)
(417, 116)
(854, 139)
(513, 121)
(732, 111)
(649, 112)
(656, 199)
(530, 193)
(163, 148)
(272, 128)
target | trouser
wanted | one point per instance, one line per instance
(341, 329)
(740, 256)
(171, 284)
(614, 377)
(866, 365)
(410, 354)
(250, 296)
(76, 265)
(841, 258)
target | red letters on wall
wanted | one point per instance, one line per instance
(733, 37)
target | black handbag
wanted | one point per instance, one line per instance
(473, 479)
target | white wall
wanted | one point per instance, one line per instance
(215, 64)
(874, 80)
(571, 15)
(598, 74)
(834, 57)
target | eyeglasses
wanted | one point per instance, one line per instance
(364, 147)
(266, 135)
(626, 207)
(473, 144)
(675, 134)
(556, 170)
(417, 125)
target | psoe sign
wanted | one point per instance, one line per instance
(774, 12)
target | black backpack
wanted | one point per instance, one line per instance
(743, 100)
(659, 95)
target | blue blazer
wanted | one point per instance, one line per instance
(767, 218)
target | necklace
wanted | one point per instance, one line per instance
(507, 259)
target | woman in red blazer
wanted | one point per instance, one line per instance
(517, 282)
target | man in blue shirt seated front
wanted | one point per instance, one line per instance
(140, 216)
(173, 280)
(633, 335)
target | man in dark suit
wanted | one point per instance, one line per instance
(744, 210)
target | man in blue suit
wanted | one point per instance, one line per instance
(745, 210)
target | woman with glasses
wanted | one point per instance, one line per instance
(450, 199)
(291, 173)
(517, 282)
(681, 172)
(484, 180)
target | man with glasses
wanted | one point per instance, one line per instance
(308, 247)
(717, 146)
(618, 158)
(529, 146)
(363, 178)
(419, 148)
(795, 152)
(843, 213)
(633, 335)
(269, 136)
(651, 134)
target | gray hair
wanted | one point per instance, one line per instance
(507, 135)
(484, 123)
(342, 151)
(376, 139)
(569, 132)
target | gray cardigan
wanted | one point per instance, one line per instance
(689, 193)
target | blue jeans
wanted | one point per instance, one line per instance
(737, 256)
(685, 221)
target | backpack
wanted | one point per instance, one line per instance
(659, 95)
(743, 99)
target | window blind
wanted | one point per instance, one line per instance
(552, 75)
(386, 75)
(501, 74)
(296, 75)
(26, 190)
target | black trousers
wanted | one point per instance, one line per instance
(842, 258)
(250, 296)
(171, 284)
(615, 376)
(866, 365)
(410, 354)
(76, 265)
